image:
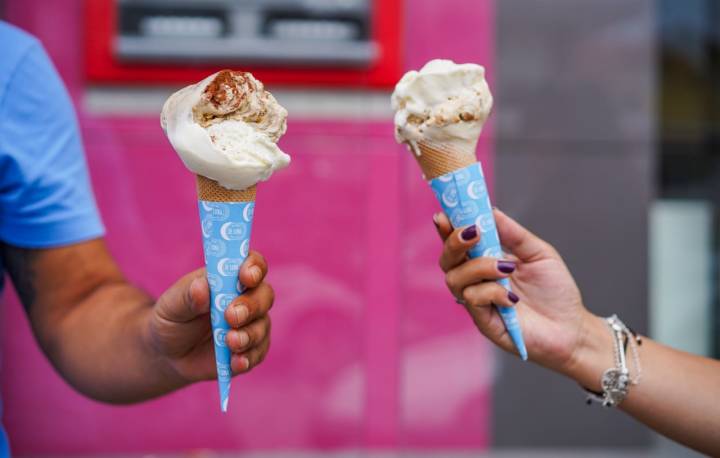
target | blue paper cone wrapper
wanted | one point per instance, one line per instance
(464, 197)
(226, 228)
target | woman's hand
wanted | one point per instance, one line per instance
(562, 335)
(548, 302)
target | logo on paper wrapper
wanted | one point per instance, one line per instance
(222, 301)
(223, 370)
(232, 231)
(249, 212)
(464, 212)
(245, 248)
(239, 287)
(450, 197)
(229, 267)
(214, 281)
(447, 178)
(215, 317)
(216, 211)
(485, 223)
(214, 248)
(220, 337)
(476, 190)
(206, 225)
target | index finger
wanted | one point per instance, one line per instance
(253, 270)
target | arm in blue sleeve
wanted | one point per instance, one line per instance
(45, 195)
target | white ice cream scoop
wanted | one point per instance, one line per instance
(443, 103)
(225, 128)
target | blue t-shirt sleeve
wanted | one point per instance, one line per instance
(45, 195)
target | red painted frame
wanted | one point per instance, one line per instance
(101, 66)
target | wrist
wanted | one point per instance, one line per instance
(593, 354)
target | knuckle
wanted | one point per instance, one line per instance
(451, 280)
(499, 293)
(271, 294)
(453, 242)
(264, 352)
(266, 326)
(255, 334)
(469, 297)
(441, 263)
(253, 359)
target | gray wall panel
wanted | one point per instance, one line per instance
(575, 142)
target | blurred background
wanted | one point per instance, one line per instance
(604, 140)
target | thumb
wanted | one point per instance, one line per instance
(187, 299)
(520, 241)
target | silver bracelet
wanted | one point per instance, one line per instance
(616, 381)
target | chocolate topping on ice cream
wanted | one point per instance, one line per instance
(239, 96)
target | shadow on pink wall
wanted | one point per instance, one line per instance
(368, 349)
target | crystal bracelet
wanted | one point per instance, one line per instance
(616, 381)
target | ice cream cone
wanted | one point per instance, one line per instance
(226, 219)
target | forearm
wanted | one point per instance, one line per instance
(101, 347)
(677, 395)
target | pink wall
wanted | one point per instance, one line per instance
(368, 349)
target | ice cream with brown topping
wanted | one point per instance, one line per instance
(226, 128)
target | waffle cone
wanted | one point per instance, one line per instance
(210, 191)
(436, 159)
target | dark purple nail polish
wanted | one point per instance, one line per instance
(506, 267)
(513, 297)
(469, 233)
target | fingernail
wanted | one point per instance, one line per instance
(506, 267)
(243, 338)
(241, 313)
(255, 273)
(513, 297)
(469, 233)
(436, 219)
(244, 362)
(195, 284)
